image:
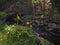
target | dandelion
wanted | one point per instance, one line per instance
(30, 25)
(27, 22)
(18, 17)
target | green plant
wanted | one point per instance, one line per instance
(11, 35)
(3, 14)
(2, 1)
(2, 19)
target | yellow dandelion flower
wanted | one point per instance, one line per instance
(18, 17)
(30, 25)
(27, 22)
